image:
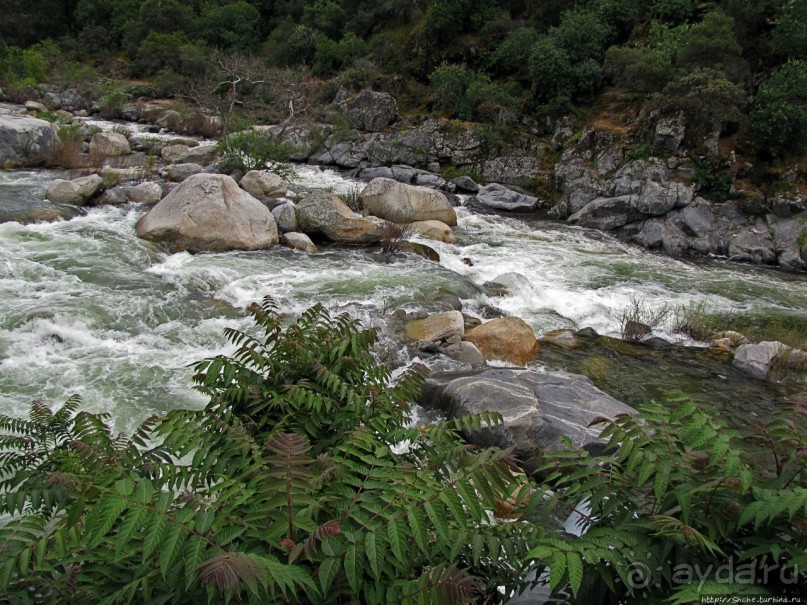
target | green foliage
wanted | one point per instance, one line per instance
(674, 11)
(779, 114)
(639, 69)
(707, 98)
(300, 482)
(331, 56)
(583, 35)
(20, 68)
(230, 26)
(713, 178)
(790, 34)
(551, 72)
(674, 497)
(251, 150)
(508, 58)
(711, 44)
(465, 93)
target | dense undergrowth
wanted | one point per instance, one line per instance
(302, 481)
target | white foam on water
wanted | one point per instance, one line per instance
(87, 307)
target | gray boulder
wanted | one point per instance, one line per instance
(201, 154)
(174, 154)
(437, 327)
(209, 213)
(511, 169)
(401, 203)
(264, 185)
(500, 197)
(35, 107)
(372, 111)
(465, 183)
(325, 214)
(299, 241)
(787, 233)
(538, 408)
(145, 193)
(659, 198)
(697, 220)
(179, 172)
(464, 352)
(606, 213)
(76, 192)
(669, 135)
(27, 141)
(286, 217)
(753, 245)
(756, 359)
(109, 144)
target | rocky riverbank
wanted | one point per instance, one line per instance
(194, 208)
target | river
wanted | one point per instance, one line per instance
(86, 307)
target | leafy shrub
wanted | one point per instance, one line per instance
(460, 91)
(508, 58)
(252, 150)
(713, 44)
(675, 500)
(707, 98)
(713, 178)
(674, 11)
(638, 69)
(300, 482)
(779, 114)
(582, 34)
(331, 56)
(551, 72)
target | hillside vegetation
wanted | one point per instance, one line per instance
(733, 65)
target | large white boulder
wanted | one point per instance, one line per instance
(27, 141)
(401, 203)
(209, 213)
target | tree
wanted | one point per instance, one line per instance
(707, 98)
(712, 44)
(582, 35)
(779, 114)
(551, 71)
(790, 34)
(230, 26)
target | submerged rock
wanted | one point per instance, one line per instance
(538, 408)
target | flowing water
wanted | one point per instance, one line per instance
(86, 307)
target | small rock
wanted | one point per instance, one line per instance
(35, 106)
(434, 230)
(109, 144)
(179, 172)
(464, 352)
(299, 241)
(76, 192)
(264, 185)
(286, 217)
(145, 193)
(439, 326)
(507, 339)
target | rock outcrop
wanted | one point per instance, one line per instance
(209, 213)
(371, 111)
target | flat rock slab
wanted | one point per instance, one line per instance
(538, 408)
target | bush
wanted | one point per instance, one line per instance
(583, 35)
(252, 150)
(551, 71)
(675, 500)
(508, 58)
(637, 69)
(462, 92)
(674, 11)
(712, 44)
(330, 56)
(779, 115)
(300, 482)
(707, 98)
